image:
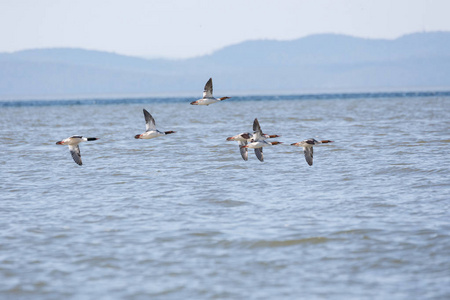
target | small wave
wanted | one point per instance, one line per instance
(356, 231)
(383, 205)
(230, 203)
(312, 120)
(231, 166)
(206, 233)
(288, 243)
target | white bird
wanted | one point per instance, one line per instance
(242, 139)
(308, 148)
(151, 131)
(258, 141)
(208, 97)
(74, 149)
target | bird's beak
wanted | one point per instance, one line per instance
(137, 136)
(230, 138)
(194, 103)
(294, 144)
(326, 141)
(59, 143)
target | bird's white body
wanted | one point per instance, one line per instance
(206, 101)
(151, 134)
(241, 137)
(73, 140)
(258, 144)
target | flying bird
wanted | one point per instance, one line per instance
(74, 149)
(208, 97)
(244, 138)
(150, 128)
(258, 141)
(308, 148)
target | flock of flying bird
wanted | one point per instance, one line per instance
(246, 140)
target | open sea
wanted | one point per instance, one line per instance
(184, 217)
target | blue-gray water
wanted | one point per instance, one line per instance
(184, 217)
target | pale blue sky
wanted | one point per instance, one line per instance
(187, 28)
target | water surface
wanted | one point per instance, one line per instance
(184, 217)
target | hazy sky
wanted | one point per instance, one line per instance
(187, 28)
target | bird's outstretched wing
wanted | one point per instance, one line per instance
(244, 151)
(149, 121)
(308, 155)
(257, 130)
(76, 155)
(259, 154)
(208, 91)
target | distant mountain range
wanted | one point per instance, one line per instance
(324, 62)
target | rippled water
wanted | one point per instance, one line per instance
(184, 217)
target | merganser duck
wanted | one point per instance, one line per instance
(151, 131)
(258, 141)
(244, 138)
(208, 95)
(308, 148)
(73, 142)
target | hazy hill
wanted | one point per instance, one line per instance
(318, 62)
